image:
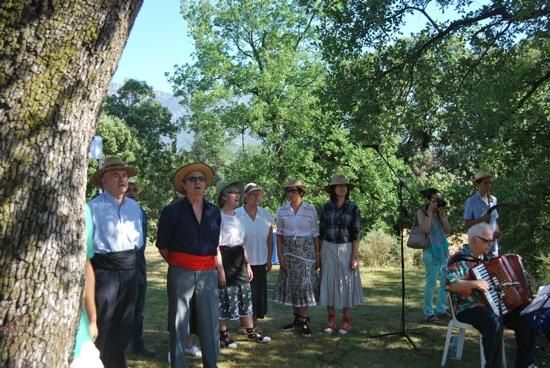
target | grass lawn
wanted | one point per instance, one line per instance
(380, 313)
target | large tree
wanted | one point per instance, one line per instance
(56, 61)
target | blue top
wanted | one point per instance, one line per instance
(83, 335)
(117, 227)
(475, 207)
(438, 244)
(178, 229)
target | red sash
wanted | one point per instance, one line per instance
(191, 261)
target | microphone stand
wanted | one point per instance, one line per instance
(400, 184)
(499, 289)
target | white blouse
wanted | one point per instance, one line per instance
(302, 223)
(257, 232)
(232, 232)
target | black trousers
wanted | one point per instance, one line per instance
(489, 325)
(115, 296)
(137, 335)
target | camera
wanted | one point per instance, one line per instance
(440, 202)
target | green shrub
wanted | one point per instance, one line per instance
(380, 249)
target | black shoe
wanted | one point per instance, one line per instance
(142, 350)
(291, 326)
(306, 330)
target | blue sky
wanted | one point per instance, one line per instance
(157, 42)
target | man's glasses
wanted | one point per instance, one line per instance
(291, 190)
(195, 179)
(487, 241)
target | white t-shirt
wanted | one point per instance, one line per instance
(301, 223)
(257, 232)
(232, 232)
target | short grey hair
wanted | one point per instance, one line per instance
(478, 230)
(225, 193)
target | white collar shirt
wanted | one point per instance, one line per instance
(297, 224)
(257, 233)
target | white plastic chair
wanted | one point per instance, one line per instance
(462, 327)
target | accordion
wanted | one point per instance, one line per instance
(507, 277)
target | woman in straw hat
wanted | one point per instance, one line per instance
(258, 224)
(476, 207)
(234, 271)
(187, 238)
(340, 229)
(298, 249)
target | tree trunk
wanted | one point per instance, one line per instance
(57, 58)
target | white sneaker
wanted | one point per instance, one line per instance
(193, 351)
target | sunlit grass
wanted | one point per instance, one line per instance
(379, 314)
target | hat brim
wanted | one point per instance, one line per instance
(98, 175)
(350, 187)
(476, 181)
(255, 189)
(230, 184)
(297, 186)
(185, 170)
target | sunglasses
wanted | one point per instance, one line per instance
(292, 190)
(487, 241)
(195, 179)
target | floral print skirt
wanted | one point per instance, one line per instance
(235, 301)
(298, 284)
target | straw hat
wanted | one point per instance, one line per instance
(185, 170)
(339, 180)
(223, 185)
(138, 186)
(251, 187)
(112, 163)
(297, 184)
(480, 175)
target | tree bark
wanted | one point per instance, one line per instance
(57, 58)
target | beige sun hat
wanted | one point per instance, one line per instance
(251, 187)
(112, 163)
(185, 170)
(480, 175)
(339, 180)
(138, 186)
(297, 184)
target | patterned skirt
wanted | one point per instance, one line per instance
(340, 286)
(235, 301)
(298, 284)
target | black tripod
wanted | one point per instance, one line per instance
(402, 331)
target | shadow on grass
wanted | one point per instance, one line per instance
(380, 313)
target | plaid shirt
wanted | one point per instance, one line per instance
(460, 270)
(340, 225)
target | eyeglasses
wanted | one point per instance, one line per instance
(195, 179)
(291, 190)
(487, 241)
(234, 192)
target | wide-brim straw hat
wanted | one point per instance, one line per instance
(480, 175)
(297, 184)
(339, 180)
(112, 163)
(185, 170)
(251, 187)
(138, 186)
(223, 185)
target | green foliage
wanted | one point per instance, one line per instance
(380, 249)
(137, 128)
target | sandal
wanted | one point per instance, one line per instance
(255, 336)
(331, 327)
(346, 326)
(226, 342)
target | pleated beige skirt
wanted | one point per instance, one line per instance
(340, 286)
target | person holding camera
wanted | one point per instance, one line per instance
(434, 223)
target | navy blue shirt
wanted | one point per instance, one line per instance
(178, 229)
